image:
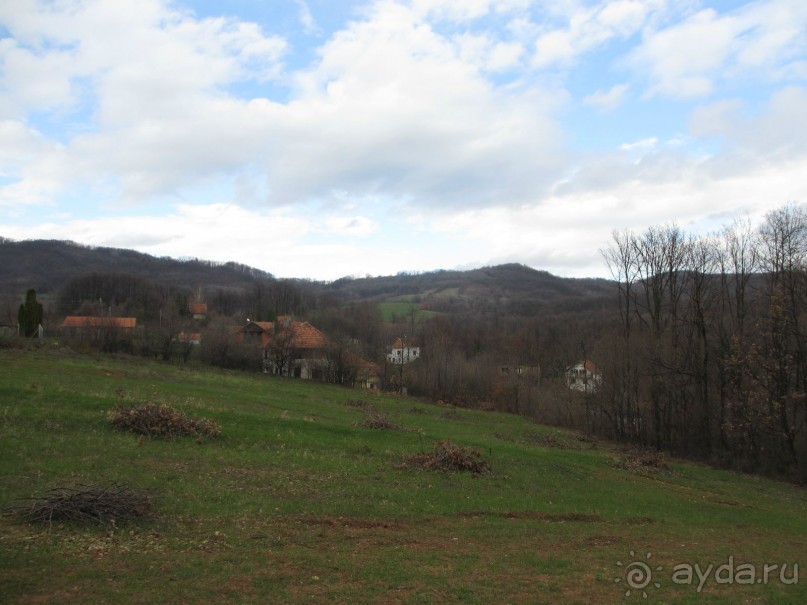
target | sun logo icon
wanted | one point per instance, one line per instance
(637, 575)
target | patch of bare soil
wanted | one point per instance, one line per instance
(643, 462)
(540, 516)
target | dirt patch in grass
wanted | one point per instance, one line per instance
(601, 540)
(539, 516)
(560, 441)
(639, 521)
(452, 415)
(348, 522)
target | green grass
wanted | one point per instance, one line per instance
(298, 504)
(402, 310)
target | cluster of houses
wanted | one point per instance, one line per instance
(297, 349)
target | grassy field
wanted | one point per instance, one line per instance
(402, 311)
(297, 503)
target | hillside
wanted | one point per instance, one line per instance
(510, 288)
(47, 265)
(299, 502)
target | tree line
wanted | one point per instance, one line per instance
(709, 357)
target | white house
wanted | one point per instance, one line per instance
(584, 376)
(400, 352)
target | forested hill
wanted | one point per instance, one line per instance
(510, 288)
(47, 265)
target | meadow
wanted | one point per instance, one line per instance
(298, 502)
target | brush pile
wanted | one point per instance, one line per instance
(379, 421)
(643, 462)
(361, 404)
(159, 420)
(448, 456)
(110, 504)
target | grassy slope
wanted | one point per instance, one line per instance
(296, 504)
(401, 310)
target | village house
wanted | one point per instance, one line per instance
(189, 338)
(299, 350)
(401, 352)
(255, 333)
(110, 333)
(584, 376)
(520, 372)
(198, 310)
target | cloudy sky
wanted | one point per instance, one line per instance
(314, 138)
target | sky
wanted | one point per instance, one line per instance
(320, 139)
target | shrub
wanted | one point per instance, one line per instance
(158, 420)
(448, 456)
(110, 504)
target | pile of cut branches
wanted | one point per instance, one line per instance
(448, 456)
(106, 504)
(361, 404)
(159, 420)
(379, 421)
(643, 462)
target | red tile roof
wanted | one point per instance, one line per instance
(75, 321)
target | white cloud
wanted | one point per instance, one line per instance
(762, 40)
(607, 100)
(349, 226)
(778, 132)
(465, 10)
(564, 233)
(488, 54)
(306, 18)
(643, 144)
(155, 82)
(410, 119)
(588, 28)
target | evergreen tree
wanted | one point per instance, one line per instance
(30, 314)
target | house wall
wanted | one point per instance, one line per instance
(403, 355)
(578, 378)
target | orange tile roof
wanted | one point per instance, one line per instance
(198, 308)
(591, 366)
(306, 336)
(75, 321)
(362, 364)
(588, 365)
